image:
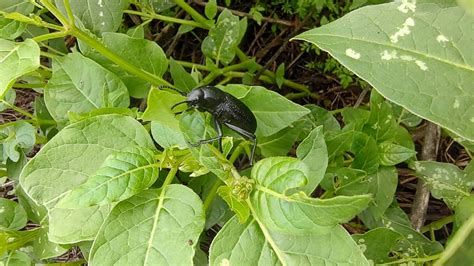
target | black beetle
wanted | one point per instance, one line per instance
(225, 110)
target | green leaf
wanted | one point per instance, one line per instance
(10, 28)
(13, 240)
(382, 185)
(143, 54)
(97, 16)
(280, 75)
(72, 90)
(165, 126)
(417, 45)
(446, 181)
(463, 211)
(381, 124)
(9, 97)
(378, 244)
(12, 215)
(392, 154)
(237, 205)
(17, 59)
(153, 227)
(43, 248)
(182, 79)
(122, 175)
(222, 40)
(16, 258)
(459, 249)
(211, 9)
(21, 135)
(312, 151)
(274, 208)
(280, 143)
(273, 114)
(65, 163)
(249, 243)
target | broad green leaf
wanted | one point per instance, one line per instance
(463, 211)
(67, 226)
(66, 162)
(12, 215)
(277, 210)
(312, 151)
(250, 244)
(155, 227)
(9, 28)
(392, 154)
(355, 118)
(412, 244)
(273, 111)
(222, 40)
(122, 175)
(404, 117)
(20, 135)
(16, 59)
(16, 258)
(182, 79)
(446, 181)
(71, 89)
(414, 44)
(379, 244)
(382, 185)
(14, 168)
(165, 125)
(158, 5)
(43, 248)
(99, 16)
(143, 54)
(280, 143)
(459, 248)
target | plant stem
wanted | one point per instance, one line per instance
(424, 259)
(436, 225)
(28, 85)
(48, 36)
(169, 178)
(18, 110)
(155, 80)
(206, 24)
(212, 194)
(69, 13)
(64, 21)
(166, 18)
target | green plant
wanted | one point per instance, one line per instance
(100, 183)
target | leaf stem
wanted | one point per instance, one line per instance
(166, 18)
(153, 79)
(18, 110)
(52, 8)
(69, 13)
(169, 178)
(436, 225)
(424, 259)
(48, 36)
(212, 193)
(206, 24)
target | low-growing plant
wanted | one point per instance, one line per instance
(114, 175)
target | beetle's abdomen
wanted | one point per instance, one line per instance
(234, 112)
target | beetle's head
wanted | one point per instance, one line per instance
(194, 98)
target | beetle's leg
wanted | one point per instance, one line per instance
(248, 135)
(218, 127)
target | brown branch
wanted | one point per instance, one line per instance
(429, 152)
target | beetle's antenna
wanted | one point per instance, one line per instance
(178, 104)
(168, 87)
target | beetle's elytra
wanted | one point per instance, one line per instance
(225, 110)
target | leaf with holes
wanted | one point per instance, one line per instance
(413, 44)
